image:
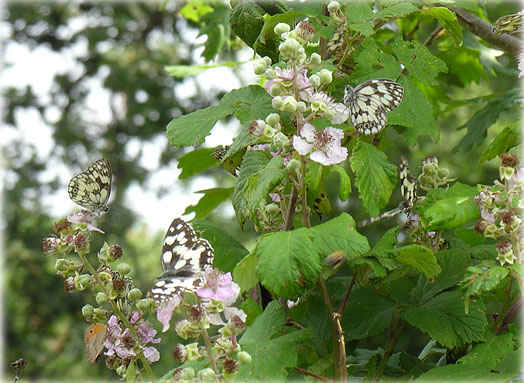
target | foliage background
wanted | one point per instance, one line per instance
(126, 49)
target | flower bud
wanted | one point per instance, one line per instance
(134, 295)
(82, 282)
(325, 76)
(268, 133)
(277, 103)
(105, 276)
(429, 168)
(301, 106)
(243, 357)
(62, 265)
(294, 166)
(50, 245)
(333, 6)
(192, 351)
(180, 353)
(272, 209)
(279, 141)
(121, 370)
(101, 298)
(275, 90)
(123, 268)
(273, 119)
(314, 80)
(315, 59)
(207, 375)
(281, 28)
(289, 48)
(259, 68)
(188, 373)
(88, 311)
(267, 60)
(289, 104)
(271, 74)
(146, 305)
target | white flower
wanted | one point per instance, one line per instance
(325, 144)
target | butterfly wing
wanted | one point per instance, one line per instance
(370, 102)
(408, 185)
(184, 257)
(94, 341)
(91, 189)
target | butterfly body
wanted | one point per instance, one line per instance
(91, 189)
(184, 258)
(370, 101)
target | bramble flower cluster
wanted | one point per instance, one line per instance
(120, 305)
(214, 306)
(500, 207)
(433, 176)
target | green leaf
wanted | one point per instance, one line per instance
(262, 183)
(344, 189)
(482, 120)
(271, 352)
(375, 177)
(448, 209)
(386, 243)
(252, 310)
(288, 262)
(313, 175)
(366, 314)
(510, 137)
(211, 199)
(510, 363)
(421, 258)
(226, 249)
(418, 60)
(396, 11)
(454, 373)
(448, 20)
(131, 372)
(443, 318)
(480, 280)
(247, 103)
(247, 20)
(194, 9)
(270, 23)
(215, 25)
(181, 71)
(358, 13)
(339, 234)
(195, 161)
(372, 62)
(491, 351)
(459, 58)
(415, 113)
(245, 274)
(254, 161)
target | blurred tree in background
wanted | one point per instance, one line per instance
(123, 48)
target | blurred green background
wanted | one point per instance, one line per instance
(122, 48)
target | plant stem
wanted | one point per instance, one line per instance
(394, 333)
(303, 191)
(306, 372)
(209, 351)
(346, 297)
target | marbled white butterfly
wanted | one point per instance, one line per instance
(369, 102)
(408, 190)
(184, 258)
(91, 189)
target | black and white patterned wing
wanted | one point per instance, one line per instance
(184, 258)
(91, 189)
(369, 103)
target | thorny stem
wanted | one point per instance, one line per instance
(120, 315)
(209, 351)
(394, 333)
(288, 219)
(502, 314)
(346, 297)
(306, 372)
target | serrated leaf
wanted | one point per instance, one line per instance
(421, 258)
(464, 57)
(358, 13)
(415, 113)
(254, 161)
(209, 201)
(448, 209)
(396, 10)
(247, 20)
(482, 120)
(339, 234)
(313, 174)
(245, 272)
(418, 60)
(260, 184)
(271, 352)
(510, 363)
(215, 25)
(375, 177)
(195, 161)
(366, 314)
(386, 243)
(448, 20)
(444, 318)
(181, 71)
(344, 188)
(510, 137)
(454, 373)
(247, 103)
(288, 262)
(479, 280)
(226, 249)
(491, 351)
(372, 62)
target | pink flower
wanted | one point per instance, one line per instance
(340, 111)
(325, 144)
(285, 78)
(151, 354)
(165, 311)
(84, 216)
(218, 286)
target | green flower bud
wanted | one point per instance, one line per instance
(289, 47)
(259, 68)
(275, 90)
(62, 265)
(289, 104)
(82, 282)
(272, 209)
(192, 351)
(188, 373)
(329, 114)
(121, 370)
(281, 28)
(315, 59)
(430, 168)
(104, 256)
(243, 357)
(101, 298)
(506, 172)
(207, 375)
(314, 80)
(326, 77)
(333, 6)
(277, 103)
(443, 173)
(268, 133)
(279, 141)
(271, 74)
(301, 106)
(294, 166)
(88, 311)
(134, 295)
(267, 60)
(146, 305)
(273, 119)
(123, 268)
(105, 276)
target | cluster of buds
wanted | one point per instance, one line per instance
(337, 44)
(500, 207)
(214, 306)
(433, 176)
